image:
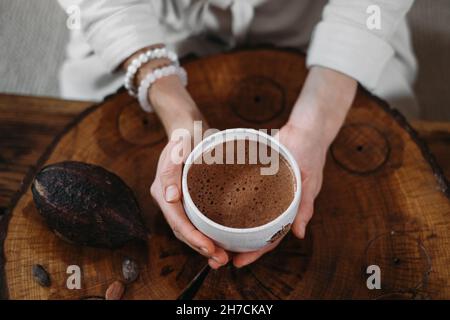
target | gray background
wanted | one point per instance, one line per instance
(33, 36)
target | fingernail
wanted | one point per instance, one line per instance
(171, 193)
(204, 250)
(213, 265)
(216, 260)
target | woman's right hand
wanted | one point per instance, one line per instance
(177, 110)
(166, 190)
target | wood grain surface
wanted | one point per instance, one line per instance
(27, 127)
(384, 200)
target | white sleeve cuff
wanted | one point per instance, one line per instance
(350, 50)
(123, 33)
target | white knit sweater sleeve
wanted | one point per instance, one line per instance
(115, 29)
(342, 40)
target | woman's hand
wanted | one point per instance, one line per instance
(166, 190)
(177, 110)
(309, 150)
(314, 123)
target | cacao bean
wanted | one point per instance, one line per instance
(130, 270)
(87, 205)
(115, 291)
(41, 275)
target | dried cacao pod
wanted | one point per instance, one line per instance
(87, 205)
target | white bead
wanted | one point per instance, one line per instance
(183, 75)
(132, 69)
(156, 74)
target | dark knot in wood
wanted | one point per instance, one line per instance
(258, 99)
(139, 127)
(360, 149)
(404, 263)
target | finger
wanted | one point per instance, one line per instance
(170, 171)
(305, 211)
(189, 234)
(214, 264)
(202, 250)
(242, 259)
(183, 228)
(220, 256)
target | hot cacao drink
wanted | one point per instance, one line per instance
(239, 195)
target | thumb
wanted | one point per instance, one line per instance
(170, 176)
(305, 211)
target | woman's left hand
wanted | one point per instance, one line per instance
(314, 122)
(309, 151)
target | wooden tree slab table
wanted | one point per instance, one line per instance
(384, 200)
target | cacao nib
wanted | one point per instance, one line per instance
(41, 275)
(130, 270)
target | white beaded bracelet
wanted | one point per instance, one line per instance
(156, 53)
(156, 74)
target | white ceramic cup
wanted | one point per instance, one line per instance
(241, 239)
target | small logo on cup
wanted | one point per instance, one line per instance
(280, 233)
